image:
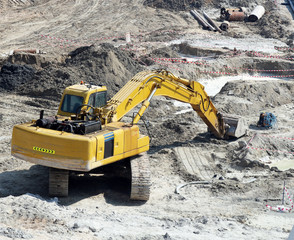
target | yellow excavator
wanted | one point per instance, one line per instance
(87, 132)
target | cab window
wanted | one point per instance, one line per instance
(92, 100)
(97, 99)
(71, 103)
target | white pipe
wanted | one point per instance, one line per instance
(256, 14)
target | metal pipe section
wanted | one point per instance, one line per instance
(151, 94)
(236, 16)
(225, 26)
(233, 14)
(256, 14)
(195, 15)
(211, 22)
(33, 51)
(202, 20)
(41, 114)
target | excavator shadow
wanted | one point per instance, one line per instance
(19, 182)
(256, 128)
(115, 190)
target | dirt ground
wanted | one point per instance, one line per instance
(246, 71)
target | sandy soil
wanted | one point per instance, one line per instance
(238, 177)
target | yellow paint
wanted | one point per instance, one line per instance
(72, 151)
(120, 156)
(84, 152)
(100, 147)
(44, 150)
(118, 142)
(26, 136)
(138, 89)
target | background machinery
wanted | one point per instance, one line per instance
(88, 133)
(267, 120)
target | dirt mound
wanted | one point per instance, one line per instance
(39, 212)
(250, 97)
(35, 60)
(271, 25)
(103, 64)
(12, 76)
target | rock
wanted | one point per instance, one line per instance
(203, 220)
(75, 226)
(167, 237)
(14, 233)
(243, 162)
(92, 229)
(12, 76)
(242, 143)
(221, 178)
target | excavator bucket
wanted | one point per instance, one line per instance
(235, 127)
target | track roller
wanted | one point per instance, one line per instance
(140, 177)
(58, 182)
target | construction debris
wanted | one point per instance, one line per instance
(212, 22)
(128, 37)
(256, 14)
(201, 20)
(233, 14)
(189, 183)
(225, 26)
(32, 51)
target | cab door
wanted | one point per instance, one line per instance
(97, 99)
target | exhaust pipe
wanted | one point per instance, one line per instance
(41, 114)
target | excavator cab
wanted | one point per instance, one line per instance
(79, 95)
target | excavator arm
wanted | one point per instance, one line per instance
(143, 86)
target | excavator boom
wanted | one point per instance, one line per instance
(143, 86)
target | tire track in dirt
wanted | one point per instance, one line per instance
(196, 163)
